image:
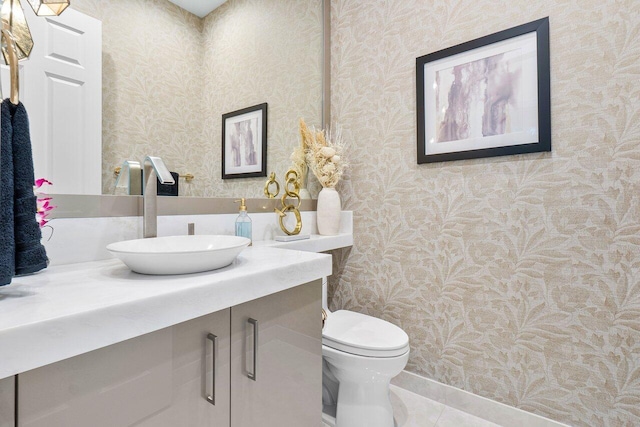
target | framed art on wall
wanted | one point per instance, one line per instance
(486, 97)
(244, 143)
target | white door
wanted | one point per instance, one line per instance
(61, 88)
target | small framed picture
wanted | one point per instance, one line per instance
(486, 97)
(244, 143)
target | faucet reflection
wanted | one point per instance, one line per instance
(153, 167)
(129, 179)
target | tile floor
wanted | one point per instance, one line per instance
(412, 410)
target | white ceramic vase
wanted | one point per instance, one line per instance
(328, 212)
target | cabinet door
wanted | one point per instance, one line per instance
(7, 402)
(117, 385)
(159, 379)
(200, 374)
(287, 390)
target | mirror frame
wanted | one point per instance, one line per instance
(94, 206)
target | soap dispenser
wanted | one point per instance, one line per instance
(243, 222)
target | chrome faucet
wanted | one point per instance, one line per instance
(130, 178)
(153, 169)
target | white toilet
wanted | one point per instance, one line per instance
(360, 356)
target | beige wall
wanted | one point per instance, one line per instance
(168, 76)
(516, 278)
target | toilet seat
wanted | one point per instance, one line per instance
(364, 335)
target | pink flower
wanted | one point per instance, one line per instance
(42, 220)
(41, 181)
(43, 204)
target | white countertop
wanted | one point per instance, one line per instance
(71, 309)
(315, 243)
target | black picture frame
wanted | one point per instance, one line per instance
(244, 142)
(504, 55)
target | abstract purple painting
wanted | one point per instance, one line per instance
(244, 143)
(487, 97)
(479, 98)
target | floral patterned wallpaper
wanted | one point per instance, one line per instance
(517, 278)
(262, 51)
(168, 76)
(151, 99)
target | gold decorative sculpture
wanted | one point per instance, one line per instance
(270, 181)
(49, 7)
(291, 190)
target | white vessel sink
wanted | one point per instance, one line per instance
(178, 254)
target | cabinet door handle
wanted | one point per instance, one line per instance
(254, 323)
(211, 398)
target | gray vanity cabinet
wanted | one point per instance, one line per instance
(166, 378)
(283, 388)
(201, 373)
(159, 379)
(7, 402)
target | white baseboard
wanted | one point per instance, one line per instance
(472, 404)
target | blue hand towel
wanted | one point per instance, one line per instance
(7, 243)
(30, 254)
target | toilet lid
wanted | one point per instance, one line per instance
(364, 335)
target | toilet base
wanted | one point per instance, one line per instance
(329, 417)
(356, 388)
(364, 405)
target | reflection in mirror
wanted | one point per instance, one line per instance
(168, 76)
(129, 179)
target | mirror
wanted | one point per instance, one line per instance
(168, 76)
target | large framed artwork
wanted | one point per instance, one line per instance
(244, 143)
(486, 97)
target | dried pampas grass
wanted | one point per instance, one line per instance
(299, 163)
(324, 154)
